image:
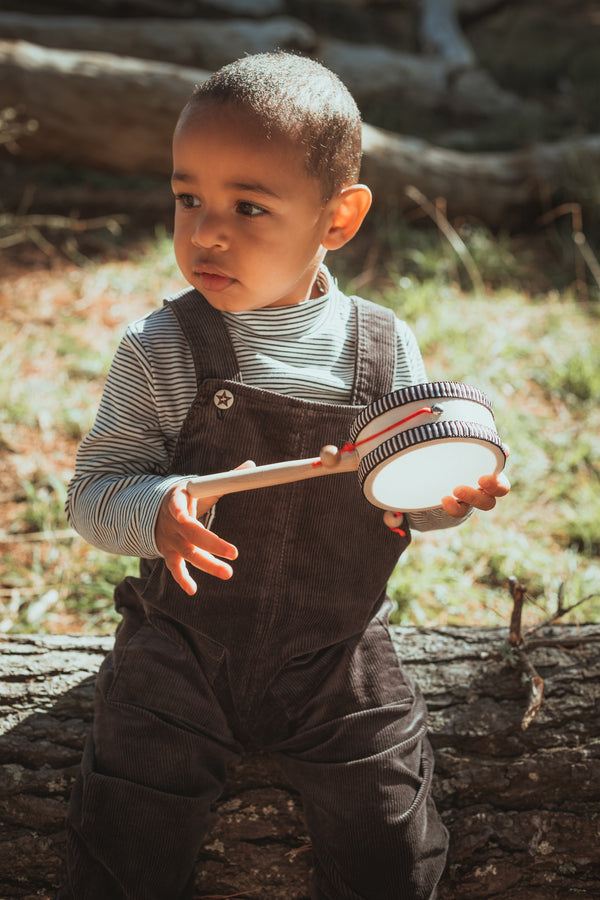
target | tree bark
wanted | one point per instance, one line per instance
(521, 805)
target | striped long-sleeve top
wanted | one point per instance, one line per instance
(306, 351)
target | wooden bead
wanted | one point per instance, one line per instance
(330, 456)
(392, 518)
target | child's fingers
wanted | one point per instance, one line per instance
(182, 539)
(177, 504)
(193, 533)
(202, 542)
(454, 507)
(178, 569)
(484, 497)
(205, 562)
(495, 485)
(186, 509)
(211, 565)
(476, 497)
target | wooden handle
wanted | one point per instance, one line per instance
(328, 463)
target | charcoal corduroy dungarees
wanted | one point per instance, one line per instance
(291, 656)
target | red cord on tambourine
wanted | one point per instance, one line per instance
(432, 410)
(349, 447)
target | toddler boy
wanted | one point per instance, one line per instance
(283, 648)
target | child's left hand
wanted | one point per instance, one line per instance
(484, 497)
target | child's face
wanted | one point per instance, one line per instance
(249, 220)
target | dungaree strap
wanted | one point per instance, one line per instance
(375, 352)
(208, 338)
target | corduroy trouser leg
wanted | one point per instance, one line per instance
(363, 765)
(366, 846)
(142, 803)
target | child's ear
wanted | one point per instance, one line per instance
(349, 208)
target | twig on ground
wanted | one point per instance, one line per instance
(561, 610)
(244, 895)
(60, 534)
(519, 594)
(16, 229)
(296, 850)
(536, 691)
(579, 239)
(520, 645)
(562, 643)
(451, 235)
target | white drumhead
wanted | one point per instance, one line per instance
(417, 478)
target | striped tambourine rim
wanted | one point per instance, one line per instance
(419, 393)
(424, 434)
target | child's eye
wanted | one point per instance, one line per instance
(188, 201)
(245, 208)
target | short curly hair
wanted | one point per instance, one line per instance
(296, 97)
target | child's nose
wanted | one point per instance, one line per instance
(209, 231)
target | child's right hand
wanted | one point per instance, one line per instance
(181, 538)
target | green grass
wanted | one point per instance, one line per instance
(528, 340)
(63, 585)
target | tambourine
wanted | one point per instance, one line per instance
(410, 448)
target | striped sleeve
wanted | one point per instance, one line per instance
(120, 473)
(410, 368)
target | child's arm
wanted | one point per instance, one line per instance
(121, 475)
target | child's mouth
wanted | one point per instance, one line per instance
(214, 282)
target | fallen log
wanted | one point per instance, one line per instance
(116, 114)
(521, 803)
(502, 190)
(95, 110)
(371, 71)
(205, 43)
